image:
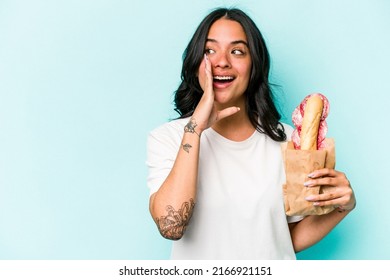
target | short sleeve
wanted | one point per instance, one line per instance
(294, 219)
(162, 148)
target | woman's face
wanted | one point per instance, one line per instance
(227, 49)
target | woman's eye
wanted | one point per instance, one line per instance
(237, 52)
(209, 51)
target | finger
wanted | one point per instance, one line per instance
(319, 201)
(209, 76)
(227, 112)
(333, 179)
(323, 172)
(342, 198)
(331, 196)
(334, 203)
(325, 181)
(340, 203)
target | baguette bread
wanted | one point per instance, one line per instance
(311, 122)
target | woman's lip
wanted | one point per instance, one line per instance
(221, 85)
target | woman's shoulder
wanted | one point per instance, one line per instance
(172, 127)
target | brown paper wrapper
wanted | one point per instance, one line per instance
(298, 164)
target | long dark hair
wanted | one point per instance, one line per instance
(260, 106)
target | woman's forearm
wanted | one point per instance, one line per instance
(312, 229)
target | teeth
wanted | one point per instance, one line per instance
(224, 78)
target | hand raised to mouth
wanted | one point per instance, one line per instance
(206, 114)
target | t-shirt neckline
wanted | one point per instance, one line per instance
(228, 141)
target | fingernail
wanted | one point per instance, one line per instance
(311, 175)
(307, 183)
(310, 197)
(316, 203)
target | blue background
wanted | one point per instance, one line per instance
(83, 82)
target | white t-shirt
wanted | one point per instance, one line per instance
(239, 212)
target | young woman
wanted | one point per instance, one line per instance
(216, 173)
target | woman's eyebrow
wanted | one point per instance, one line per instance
(236, 42)
(239, 42)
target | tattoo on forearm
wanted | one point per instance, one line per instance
(190, 126)
(173, 225)
(186, 147)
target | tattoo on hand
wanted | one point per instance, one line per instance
(190, 126)
(173, 225)
(186, 147)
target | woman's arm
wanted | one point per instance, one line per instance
(172, 205)
(313, 228)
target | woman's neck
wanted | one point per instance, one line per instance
(237, 127)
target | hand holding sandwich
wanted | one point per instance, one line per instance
(311, 127)
(341, 196)
(335, 189)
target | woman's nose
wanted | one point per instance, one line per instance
(222, 60)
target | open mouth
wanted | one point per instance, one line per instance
(223, 79)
